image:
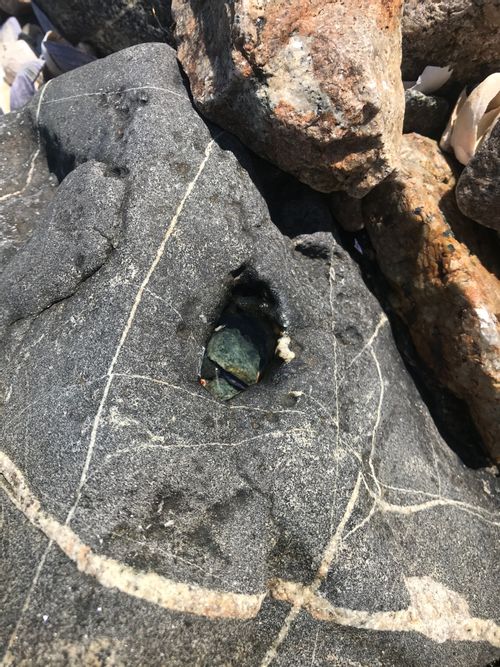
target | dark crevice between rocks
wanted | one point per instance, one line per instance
(59, 161)
(241, 350)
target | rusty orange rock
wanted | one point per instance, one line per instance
(313, 86)
(444, 271)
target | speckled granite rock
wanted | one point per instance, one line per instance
(26, 186)
(319, 514)
(438, 263)
(478, 188)
(314, 87)
(460, 33)
(110, 25)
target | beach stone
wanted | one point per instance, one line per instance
(318, 513)
(478, 188)
(26, 185)
(425, 114)
(444, 271)
(315, 88)
(461, 34)
(112, 25)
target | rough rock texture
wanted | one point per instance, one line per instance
(425, 114)
(319, 514)
(110, 25)
(438, 263)
(26, 185)
(460, 33)
(347, 211)
(478, 188)
(314, 87)
(15, 7)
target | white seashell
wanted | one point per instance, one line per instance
(473, 119)
(13, 57)
(10, 30)
(444, 143)
(431, 79)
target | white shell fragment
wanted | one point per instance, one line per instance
(10, 30)
(472, 119)
(283, 350)
(432, 79)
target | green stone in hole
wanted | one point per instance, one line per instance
(236, 354)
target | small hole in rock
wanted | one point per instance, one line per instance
(248, 340)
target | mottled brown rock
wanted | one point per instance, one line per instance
(442, 267)
(460, 33)
(478, 188)
(314, 86)
(347, 211)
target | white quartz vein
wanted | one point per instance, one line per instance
(128, 325)
(201, 395)
(297, 432)
(134, 89)
(435, 611)
(327, 558)
(381, 323)
(110, 373)
(331, 278)
(335, 541)
(154, 588)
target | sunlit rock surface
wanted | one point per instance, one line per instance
(316, 517)
(444, 270)
(314, 87)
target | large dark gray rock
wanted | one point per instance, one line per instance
(111, 25)
(144, 522)
(478, 188)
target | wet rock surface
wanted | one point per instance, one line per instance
(478, 188)
(444, 271)
(111, 25)
(318, 516)
(313, 87)
(462, 34)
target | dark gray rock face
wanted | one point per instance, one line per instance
(26, 186)
(462, 34)
(75, 242)
(478, 188)
(317, 518)
(111, 25)
(425, 114)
